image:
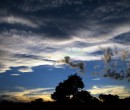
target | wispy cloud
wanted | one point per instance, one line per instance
(121, 91)
(26, 95)
(34, 51)
(96, 79)
(18, 20)
(24, 70)
(4, 68)
(15, 74)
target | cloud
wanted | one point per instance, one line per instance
(4, 68)
(26, 95)
(67, 60)
(96, 79)
(70, 22)
(107, 55)
(122, 38)
(26, 69)
(8, 98)
(15, 74)
(34, 51)
(121, 91)
(128, 74)
(18, 20)
(42, 35)
(115, 75)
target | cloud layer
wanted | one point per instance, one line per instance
(34, 33)
(26, 95)
(122, 91)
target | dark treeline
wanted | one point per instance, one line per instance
(69, 94)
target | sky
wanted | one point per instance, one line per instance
(42, 42)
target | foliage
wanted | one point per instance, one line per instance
(68, 88)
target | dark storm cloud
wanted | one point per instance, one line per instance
(53, 21)
(63, 18)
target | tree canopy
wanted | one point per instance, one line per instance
(71, 90)
(68, 88)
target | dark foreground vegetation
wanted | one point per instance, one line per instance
(69, 94)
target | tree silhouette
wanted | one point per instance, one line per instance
(67, 89)
(37, 101)
(83, 96)
(109, 99)
(126, 100)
